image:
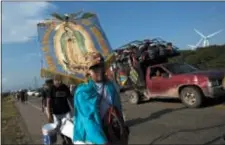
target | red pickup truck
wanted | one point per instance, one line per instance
(179, 80)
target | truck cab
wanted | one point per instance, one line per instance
(182, 81)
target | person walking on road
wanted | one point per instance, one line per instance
(25, 96)
(17, 96)
(22, 96)
(93, 101)
(48, 84)
(58, 99)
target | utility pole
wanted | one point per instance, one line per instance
(35, 82)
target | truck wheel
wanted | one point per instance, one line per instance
(191, 97)
(134, 98)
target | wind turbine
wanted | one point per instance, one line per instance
(206, 38)
(196, 46)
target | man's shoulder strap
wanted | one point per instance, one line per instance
(102, 93)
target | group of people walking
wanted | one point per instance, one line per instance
(21, 96)
(95, 106)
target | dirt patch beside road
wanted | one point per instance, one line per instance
(13, 128)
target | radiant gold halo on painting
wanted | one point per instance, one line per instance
(101, 40)
(45, 41)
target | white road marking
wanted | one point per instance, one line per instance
(34, 105)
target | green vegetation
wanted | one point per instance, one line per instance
(212, 57)
(11, 124)
(87, 15)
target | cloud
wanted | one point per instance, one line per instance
(19, 20)
(4, 80)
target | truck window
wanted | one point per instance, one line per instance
(158, 72)
(180, 68)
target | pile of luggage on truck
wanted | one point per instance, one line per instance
(132, 60)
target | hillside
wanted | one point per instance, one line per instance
(212, 57)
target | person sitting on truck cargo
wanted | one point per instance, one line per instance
(169, 46)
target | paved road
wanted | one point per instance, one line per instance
(34, 119)
(156, 122)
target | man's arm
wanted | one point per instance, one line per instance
(42, 100)
(48, 103)
(115, 92)
(69, 97)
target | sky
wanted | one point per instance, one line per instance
(121, 21)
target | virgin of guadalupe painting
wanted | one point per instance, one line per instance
(66, 41)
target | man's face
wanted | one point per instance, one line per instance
(169, 47)
(45, 87)
(97, 73)
(158, 73)
(57, 82)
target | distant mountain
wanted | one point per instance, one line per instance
(212, 57)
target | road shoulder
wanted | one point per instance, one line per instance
(13, 126)
(34, 120)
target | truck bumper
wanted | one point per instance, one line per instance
(215, 92)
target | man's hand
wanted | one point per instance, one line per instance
(50, 118)
(49, 113)
(42, 109)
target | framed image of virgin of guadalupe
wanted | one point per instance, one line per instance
(67, 39)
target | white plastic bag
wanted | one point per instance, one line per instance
(67, 127)
(81, 142)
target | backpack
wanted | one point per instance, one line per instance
(114, 125)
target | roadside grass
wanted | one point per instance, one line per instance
(12, 132)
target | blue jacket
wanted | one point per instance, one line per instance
(88, 124)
